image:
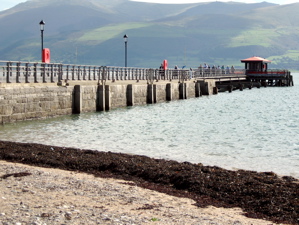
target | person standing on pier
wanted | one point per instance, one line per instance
(227, 70)
(232, 69)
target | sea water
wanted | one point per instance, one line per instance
(255, 129)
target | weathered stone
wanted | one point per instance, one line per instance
(42, 101)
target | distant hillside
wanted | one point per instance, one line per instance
(91, 32)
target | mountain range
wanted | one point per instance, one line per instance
(91, 32)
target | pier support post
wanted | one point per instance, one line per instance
(107, 98)
(264, 83)
(258, 85)
(168, 92)
(250, 85)
(241, 87)
(291, 80)
(182, 91)
(215, 90)
(77, 99)
(101, 98)
(197, 90)
(204, 87)
(207, 87)
(130, 95)
(150, 94)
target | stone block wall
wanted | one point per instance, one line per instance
(118, 96)
(140, 94)
(190, 90)
(26, 103)
(33, 102)
(89, 98)
(175, 88)
(160, 93)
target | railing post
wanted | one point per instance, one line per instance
(73, 72)
(131, 74)
(107, 73)
(99, 74)
(117, 74)
(150, 76)
(26, 73)
(141, 74)
(127, 73)
(113, 75)
(179, 75)
(52, 73)
(67, 72)
(157, 74)
(138, 74)
(104, 75)
(84, 72)
(94, 73)
(34, 71)
(79, 71)
(43, 72)
(89, 72)
(8, 71)
(121, 73)
(60, 73)
(18, 72)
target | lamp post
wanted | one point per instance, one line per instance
(126, 43)
(42, 28)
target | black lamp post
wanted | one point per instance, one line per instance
(126, 43)
(42, 28)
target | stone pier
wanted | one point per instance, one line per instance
(43, 100)
(36, 101)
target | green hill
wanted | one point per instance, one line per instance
(91, 32)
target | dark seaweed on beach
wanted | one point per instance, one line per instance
(22, 174)
(261, 195)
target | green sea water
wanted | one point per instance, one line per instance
(255, 129)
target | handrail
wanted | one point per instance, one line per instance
(37, 72)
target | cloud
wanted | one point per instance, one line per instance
(7, 4)
(281, 2)
(192, 1)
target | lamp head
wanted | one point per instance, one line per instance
(125, 38)
(42, 25)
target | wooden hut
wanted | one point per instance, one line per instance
(256, 64)
(256, 69)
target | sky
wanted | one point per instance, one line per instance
(6, 4)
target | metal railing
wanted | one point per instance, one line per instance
(271, 72)
(36, 72)
(217, 72)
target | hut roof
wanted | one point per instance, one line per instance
(256, 59)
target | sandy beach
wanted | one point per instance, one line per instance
(53, 196)
(42, 184)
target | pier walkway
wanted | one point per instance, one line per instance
(36, 72)
(39, 90)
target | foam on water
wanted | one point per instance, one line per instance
(255, 129)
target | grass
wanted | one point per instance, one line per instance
(292, 54)
(260, 36)
(108, 32)
(155, 219)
